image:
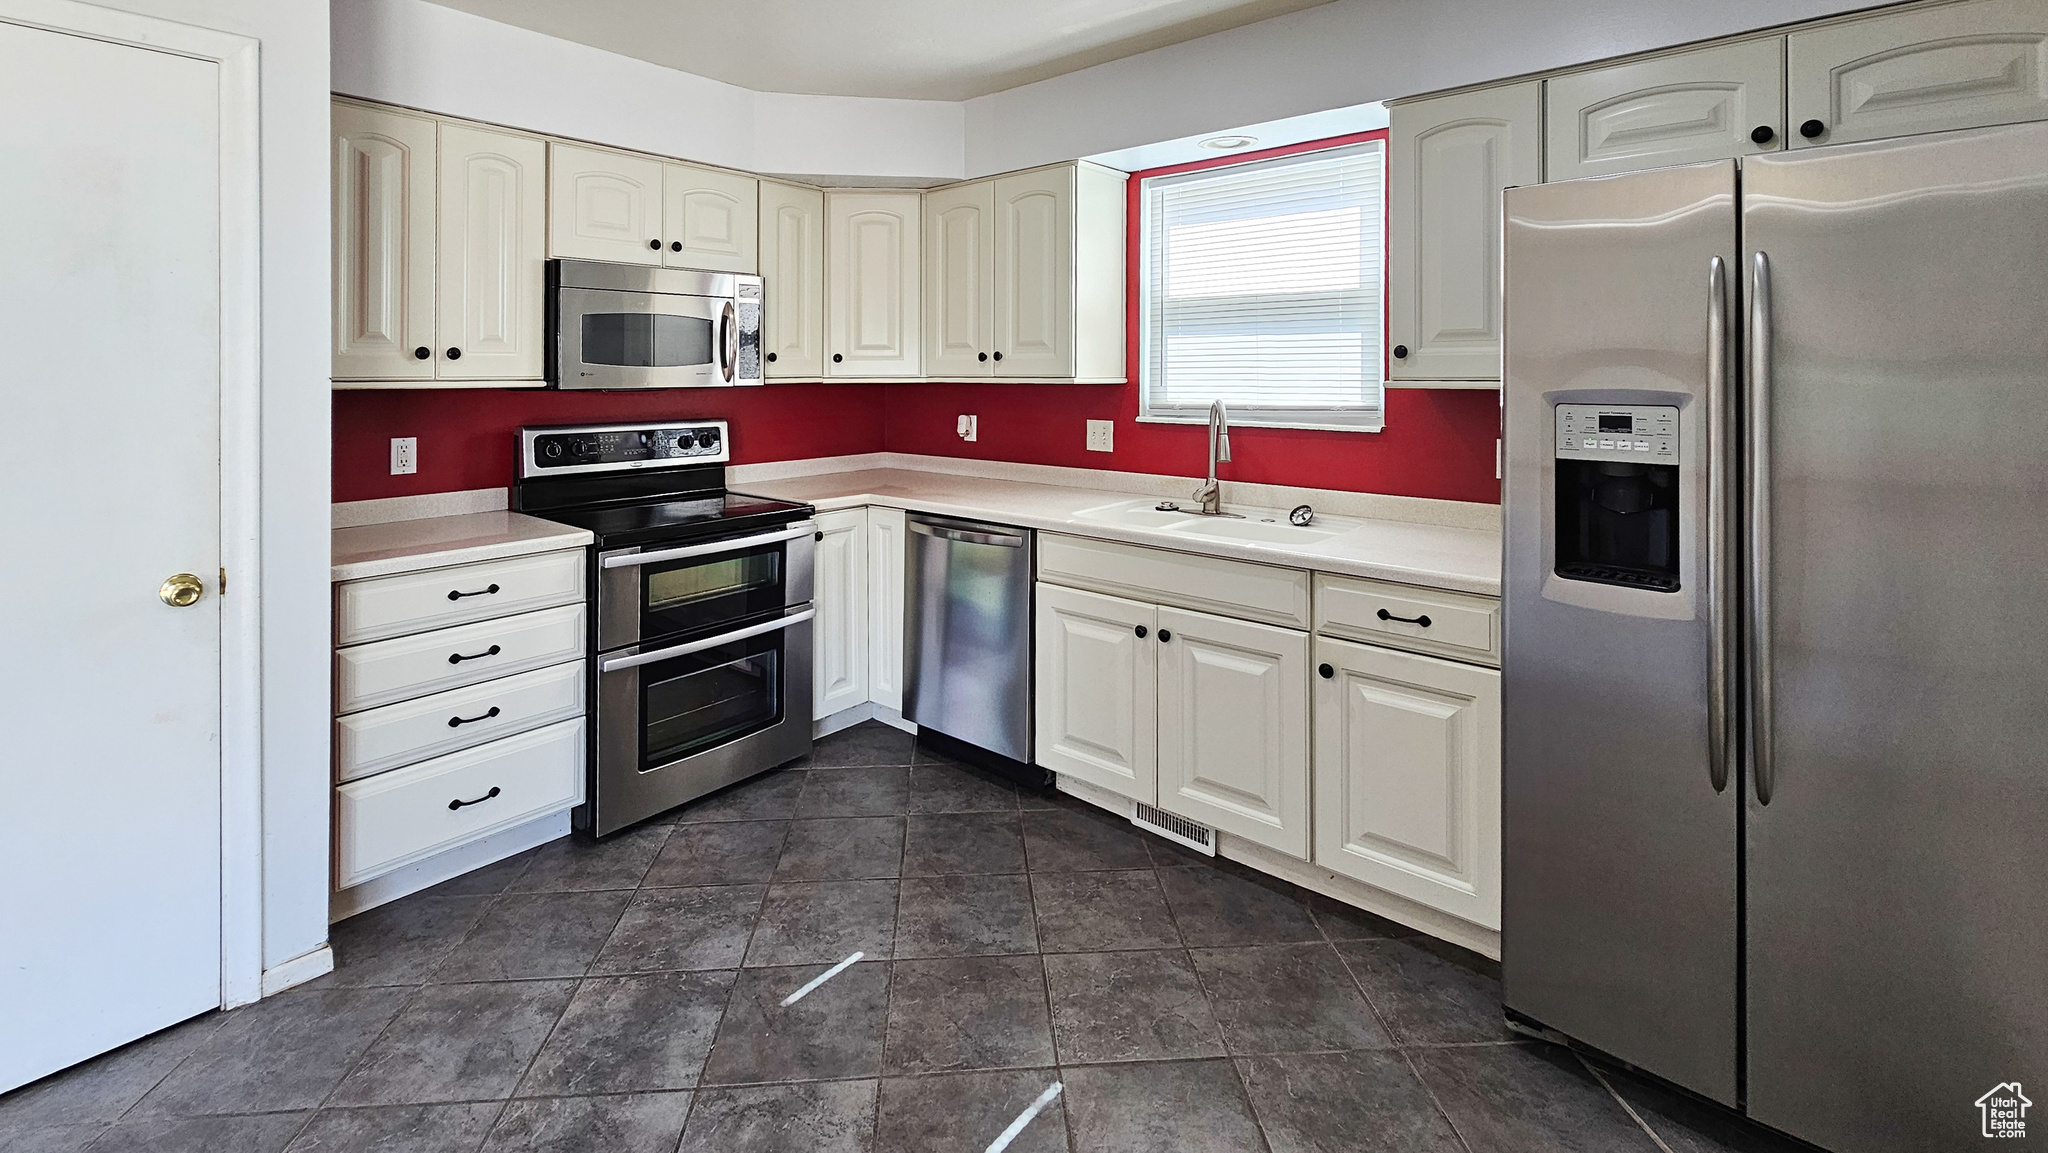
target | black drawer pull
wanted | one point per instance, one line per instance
(454, 805)
(1421, 620)
(456, 596)
(458, 658)
(458, 722)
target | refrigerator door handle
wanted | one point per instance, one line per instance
(1721, 494)
(1757, 410)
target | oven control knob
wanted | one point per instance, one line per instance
(708, 438)
(579, 447)
(552, 449)
(686, 441)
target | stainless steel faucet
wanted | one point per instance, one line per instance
(1211, 492)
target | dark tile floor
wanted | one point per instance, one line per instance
(627, 997)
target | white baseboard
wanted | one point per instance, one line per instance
(298, 970)
(865, 711)
(1316, 879)
(445, 866)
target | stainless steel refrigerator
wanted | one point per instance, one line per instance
(1776, 608)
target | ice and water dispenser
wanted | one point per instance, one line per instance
(1617, 495)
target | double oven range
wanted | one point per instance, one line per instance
(701, 607)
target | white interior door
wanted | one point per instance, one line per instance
(110, 295)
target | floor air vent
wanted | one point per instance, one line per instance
(1200, 838)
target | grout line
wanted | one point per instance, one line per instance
(1620, 1100)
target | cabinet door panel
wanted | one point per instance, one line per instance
(1034, 273)
(1097, 690)
(792, 230)
(710, 219)
(1680, 109)
(1450, 159)
(603, 205)
(1233, 727)
(873, 296)
(839, 647)
(1407, 777)
(492, 273)
(885, 607)
(383, 244)
(959, 305)
(1926, 70)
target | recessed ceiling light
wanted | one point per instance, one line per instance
(1229, 143)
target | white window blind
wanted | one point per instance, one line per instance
(1261, 287)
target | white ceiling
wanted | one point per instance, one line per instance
(914, 49)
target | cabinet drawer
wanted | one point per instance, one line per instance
(1462, 626)
(1208, 584)
(370, 610)
(396, 818)
(385, 738)
(379, 673)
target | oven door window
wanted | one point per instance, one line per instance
(692, 703)
(708, 592)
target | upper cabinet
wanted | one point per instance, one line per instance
(438, 234)
(1708, 104)
(1450, 158)
(1930, 69)
(604, 205)
(709, 219)
(1024, 277)
(792, 227)
(873, 277)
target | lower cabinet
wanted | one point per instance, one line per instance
(1203, 716)
(839, 632)
(885, 607)
(1407, 776)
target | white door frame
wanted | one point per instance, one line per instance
(241, 696)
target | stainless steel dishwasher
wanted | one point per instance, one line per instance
(967, 632)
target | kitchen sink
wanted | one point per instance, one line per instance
(1135, 513)
(1263, 526)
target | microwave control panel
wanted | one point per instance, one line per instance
(1635, 433)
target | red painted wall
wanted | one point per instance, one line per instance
(1437, 443)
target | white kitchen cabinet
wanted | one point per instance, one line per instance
(1024, 277)
(792, 230)
(604, 205)
(873, 284)
(1233, 727)
(490, 267)
(710, 219)
(839, 632)
(960, 281)
(1096, 684)
(1707, 104)
(1407, 776)
(886, 555)
(1924, 69)
(1449, 159)
(383, 168)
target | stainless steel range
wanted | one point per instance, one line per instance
(701, 610)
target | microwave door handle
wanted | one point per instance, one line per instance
(636, 660)
(629, 560)
(728, 342)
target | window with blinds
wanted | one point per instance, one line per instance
(1260, 286)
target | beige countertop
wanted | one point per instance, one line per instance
(435, 542)
(1433, 556)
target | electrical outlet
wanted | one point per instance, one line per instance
(405, 455)
(968, 427)
(1101, 436)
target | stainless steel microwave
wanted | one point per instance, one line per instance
(621, 326)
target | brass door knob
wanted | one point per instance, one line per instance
(181, 591)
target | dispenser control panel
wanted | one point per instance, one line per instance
(1636, 433)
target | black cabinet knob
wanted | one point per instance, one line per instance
(999, 356)
(819, 536)
(1325, 672)
(1165, 635)
(1141, 632)
(675, 246)
(771, 358)
(1763, 134)
(981, 356)
(455, 354)
(422, 352)
(836, 358)
(1400, 352)
(655, 245)
(1812, 129)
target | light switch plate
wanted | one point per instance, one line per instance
(968, 427)
(1101, 436)
(405, 455)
